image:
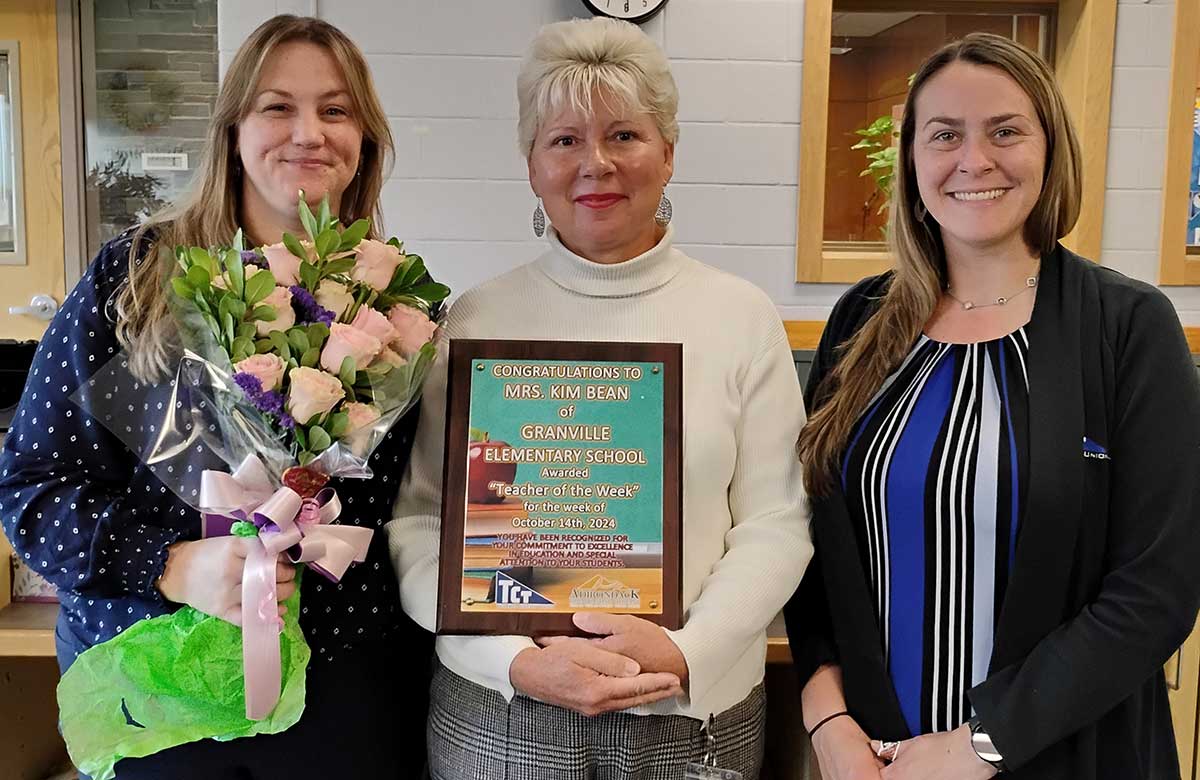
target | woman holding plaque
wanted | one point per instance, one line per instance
(296, 110)
(598, 128)
(1005, 444)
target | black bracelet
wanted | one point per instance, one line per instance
(826, 720)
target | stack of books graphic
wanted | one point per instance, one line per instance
(483, 552)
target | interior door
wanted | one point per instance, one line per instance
(32, 25)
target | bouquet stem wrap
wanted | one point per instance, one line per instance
(288, 523)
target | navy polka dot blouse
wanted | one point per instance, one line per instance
(83, 511)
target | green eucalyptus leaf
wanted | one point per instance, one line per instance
(338, 423)
(293, 245)
(301, 438)
(298, 340)
(280, 342)
(242, 348)
(230, 332)
(318, 439)
(239, 241)
(317, 333)
(182, 287)
(310, 358)
(306, 457)
(263, 346)
(327, 241)
(430, 291)
(323, 221)
(340, 266)
(265, 312)
(308, 220)
(258, 287)
(353, 234)
(236, 271)
(199, 277)
(202, 258)
(247, 330)
(348, 371)
(309, 275)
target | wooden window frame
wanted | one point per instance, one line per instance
(11, 50)
(1177, 265)
(1083, 36)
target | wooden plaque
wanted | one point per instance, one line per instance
(563, 487)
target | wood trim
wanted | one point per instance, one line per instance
(806, 334)
(814, 126)
(949, 6)
(1176, 266)
(27, 629)
(1086, 31)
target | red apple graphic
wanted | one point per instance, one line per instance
(480, 472)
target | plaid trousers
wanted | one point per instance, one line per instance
(474, 734)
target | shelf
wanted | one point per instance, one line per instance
(27, 629)
(778, 651)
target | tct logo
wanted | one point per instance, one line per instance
(512, 593)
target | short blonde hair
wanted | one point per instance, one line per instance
(569, 61)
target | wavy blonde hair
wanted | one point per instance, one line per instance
(208, 214)
(568, 62)
(869, 357)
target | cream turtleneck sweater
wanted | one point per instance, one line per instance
(745, 516)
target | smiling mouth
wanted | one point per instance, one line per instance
(981, 195)
(598, 201)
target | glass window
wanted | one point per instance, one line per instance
(9, 163)
(873, 55)
(150, 82)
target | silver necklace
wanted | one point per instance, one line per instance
(1030, 283)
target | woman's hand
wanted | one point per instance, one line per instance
(632, 637)
(844, 751)
(587, 679)
(207, 575)
(946, 755)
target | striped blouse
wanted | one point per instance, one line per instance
(934, 478)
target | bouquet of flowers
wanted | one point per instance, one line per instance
(298, 357)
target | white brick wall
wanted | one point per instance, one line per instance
(446, 72)
(1137, 144)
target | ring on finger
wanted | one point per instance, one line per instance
(888, 751)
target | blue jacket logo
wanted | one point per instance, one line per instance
(1093, 450)
(509, 591)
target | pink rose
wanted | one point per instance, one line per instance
(268, 369)
(374, 322)
(285, 316)
(375, 263)
(413, 329)
(333, 296)
(347, 341)
(391, 358)
(285, 266)
(312, 392)
(358, 432)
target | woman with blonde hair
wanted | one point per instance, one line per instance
(1002, 451)
(598, 129)
(297, 111)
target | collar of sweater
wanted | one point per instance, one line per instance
(635, 276)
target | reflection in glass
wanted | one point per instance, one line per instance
(1193, 225)
(8, 162)
(872, 57)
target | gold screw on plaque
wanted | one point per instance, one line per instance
(479, 367)
(654, 370)
(469, 601)
(653, 605)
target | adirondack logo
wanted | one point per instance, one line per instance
(1093, 450)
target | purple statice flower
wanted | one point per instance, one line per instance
(307, 308)
(250, 256)
(270, 403)
(250, 384)
(287, 421)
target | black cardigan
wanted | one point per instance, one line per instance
(1105, 583)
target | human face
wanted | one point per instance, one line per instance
(600, 178)
(980, 155)
(300, 134)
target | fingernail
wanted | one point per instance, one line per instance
(631, 669)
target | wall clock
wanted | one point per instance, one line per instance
(636, 11)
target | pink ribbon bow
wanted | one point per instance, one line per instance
(303, 529)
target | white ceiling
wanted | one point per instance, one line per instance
(864, 25)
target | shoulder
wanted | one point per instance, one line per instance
(1127, 305)
(855, 307)
(490, 298)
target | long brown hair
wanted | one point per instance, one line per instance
(867, 358)
(208, 214)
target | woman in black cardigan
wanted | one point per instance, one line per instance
(1002, 452)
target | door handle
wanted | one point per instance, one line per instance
(41, 307)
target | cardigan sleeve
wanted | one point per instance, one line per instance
(63, 475)
(1148, 598)
(807, 613)
(768, 546)
(414, 535)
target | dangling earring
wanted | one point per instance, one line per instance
(539, 220)
(664, 213)
(919, 211)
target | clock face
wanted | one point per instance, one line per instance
(636, 11)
